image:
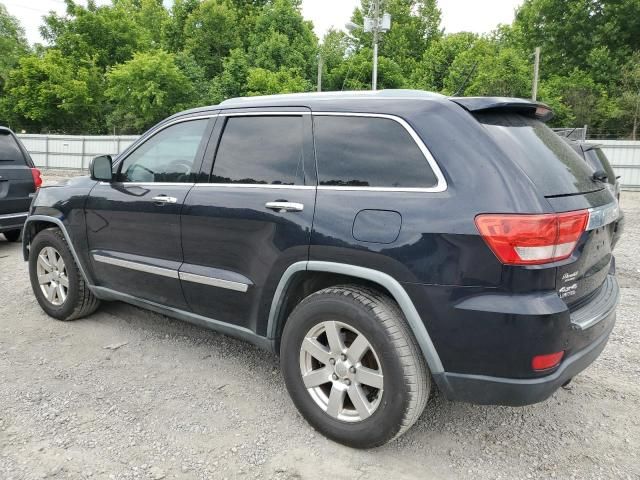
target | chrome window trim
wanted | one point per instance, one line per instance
(255, 185)
(441, 184)
(137, 145)
(214, 282)
(263, 113)
(140, 267)
(603, 215)
(13, 215)
(151, 184)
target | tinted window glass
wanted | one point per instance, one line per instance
(9, 150)
(263, 150)
(548, 160)
(369, 152)
(167, 156)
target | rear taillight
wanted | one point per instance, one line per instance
(541, 363)
(532, 239)
(37, 179)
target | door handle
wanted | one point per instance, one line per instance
(164, 199)
(283, 207)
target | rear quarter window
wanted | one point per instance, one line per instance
(356, 151)
(10, 152)
(552, 164)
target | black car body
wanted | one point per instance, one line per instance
(19, 179)
(501, 269)
(602, 169)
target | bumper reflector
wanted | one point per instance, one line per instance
(540, 363)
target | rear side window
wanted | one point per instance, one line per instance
(10, 152)
(265, 150)
(548, 160)
(369, 152)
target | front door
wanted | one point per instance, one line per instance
(133, 223)
(242, 229)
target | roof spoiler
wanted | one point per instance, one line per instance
(517, 105)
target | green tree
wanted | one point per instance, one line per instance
(569, 30)
(282, 39)
(232, 82)
(145, 90)
(107, 34)
(630, 98)
(13, 44)
(415, 24)
(431, 72)
(487, 68)
(210, 34)
(588, 102)
(334, 53)
(266, 82)
(52, 94)
(355, 73)
(174, 32)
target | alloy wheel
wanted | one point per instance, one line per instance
(341, 371)
(52, 276)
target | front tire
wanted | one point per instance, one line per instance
(12, 235)
(56, 280)
(352, 366)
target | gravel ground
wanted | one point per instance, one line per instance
(129, 394)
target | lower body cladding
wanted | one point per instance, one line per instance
(12, 221)
(487, 342)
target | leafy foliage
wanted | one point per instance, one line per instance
(126, 65)
(145, 89)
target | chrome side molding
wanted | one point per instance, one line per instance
(213, 282)
(171, 273)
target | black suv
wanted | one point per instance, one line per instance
(382, 243)
(19, 179)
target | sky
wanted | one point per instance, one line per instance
(457, 15)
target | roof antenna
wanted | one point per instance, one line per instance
(466, 80)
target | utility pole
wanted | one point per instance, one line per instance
(320, 72)
(376, 29)
(376, 24)
(536, 72)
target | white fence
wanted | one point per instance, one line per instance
(72, 151)
(75, 152)
(624, 156)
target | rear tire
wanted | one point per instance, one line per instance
(359, 400)
(56, 279)
(12, 235)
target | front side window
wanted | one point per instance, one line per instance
(265, 150)
(168, 156)
(369, 152)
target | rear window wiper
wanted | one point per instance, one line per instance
(600, 176)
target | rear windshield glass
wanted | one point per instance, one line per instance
(9, 150)
(554, 167)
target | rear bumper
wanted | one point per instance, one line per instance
(12, 221)
(594, 321)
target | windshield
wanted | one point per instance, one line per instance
(554, 167)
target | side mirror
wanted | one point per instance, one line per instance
(100, 168)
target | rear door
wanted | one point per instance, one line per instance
(133, 223)
(568, 184)
(16, 180)
(243, 227)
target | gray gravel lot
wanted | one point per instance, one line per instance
(129, 394)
